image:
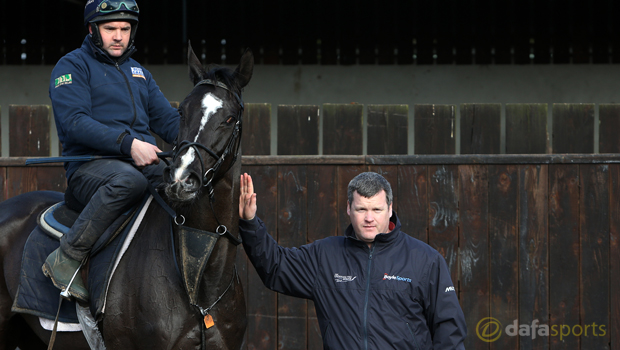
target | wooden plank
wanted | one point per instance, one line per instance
(345, 175)
(504, 254)
(3, 184)
(526, 128)
(29, 131)
(413, 200)
(595, 293)
(342, 129)
(573, 128)
(614, 253)
(256, 137)
(387, 129)
(20, 180)
(564, 251)
(323, 203)
(262, 304)
(481, 128)
(434, 129)
(292, 232)
(609, 124)
(443, 190)
(51, 179)
(474, 248)
(298, 130)
(323, 216)
(533, 251)
(444, 159)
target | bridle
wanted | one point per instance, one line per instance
(232, 147)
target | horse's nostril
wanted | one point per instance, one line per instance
(191, 183)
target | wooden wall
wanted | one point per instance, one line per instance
(527, 235)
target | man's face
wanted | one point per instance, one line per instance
(369, 216)
(115, 37)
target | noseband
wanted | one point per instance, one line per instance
(231, 147)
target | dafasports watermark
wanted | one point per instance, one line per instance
(489, 329)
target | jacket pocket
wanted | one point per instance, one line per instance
(415, 342)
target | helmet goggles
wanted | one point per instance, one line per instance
(114, 5)
(110, 6)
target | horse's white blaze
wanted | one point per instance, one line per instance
(210, 106)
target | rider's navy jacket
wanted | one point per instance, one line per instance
(397, 294)
(99, 103)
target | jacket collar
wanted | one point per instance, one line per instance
(381, 239)
(103, 56)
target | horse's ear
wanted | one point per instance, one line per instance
(196, 71)
(243, 73)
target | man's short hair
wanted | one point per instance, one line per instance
(367, 185)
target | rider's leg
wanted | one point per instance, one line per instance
(107, 188)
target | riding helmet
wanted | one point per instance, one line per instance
(97, 11)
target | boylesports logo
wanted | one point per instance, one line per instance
(396, 278)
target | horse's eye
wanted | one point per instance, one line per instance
(230, 120)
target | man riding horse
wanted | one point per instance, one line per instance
(105, 103)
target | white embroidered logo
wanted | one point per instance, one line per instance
(339, 279)
(450, 289)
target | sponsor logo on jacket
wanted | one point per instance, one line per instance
(396, 278)
(339, 279)
(137, 72)
(63, 80)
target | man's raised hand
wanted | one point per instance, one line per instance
(247, 198)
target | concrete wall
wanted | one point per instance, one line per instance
(410, 85)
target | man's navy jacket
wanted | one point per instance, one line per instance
(101, 105)
(397, 294)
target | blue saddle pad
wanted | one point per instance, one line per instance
(37, 295)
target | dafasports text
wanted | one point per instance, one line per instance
(489, 329)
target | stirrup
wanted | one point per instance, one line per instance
(65, 292)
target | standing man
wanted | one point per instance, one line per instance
(375, 288)
(105, 103)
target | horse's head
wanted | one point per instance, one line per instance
(210, 128)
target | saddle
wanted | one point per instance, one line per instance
(37, 295)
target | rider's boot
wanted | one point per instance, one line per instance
(61, 268)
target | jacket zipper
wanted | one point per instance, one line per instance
(415, 342)
(372, 248)
(135, 113)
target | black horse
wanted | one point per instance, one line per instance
(149, 305)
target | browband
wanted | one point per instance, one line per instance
(223, 86)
